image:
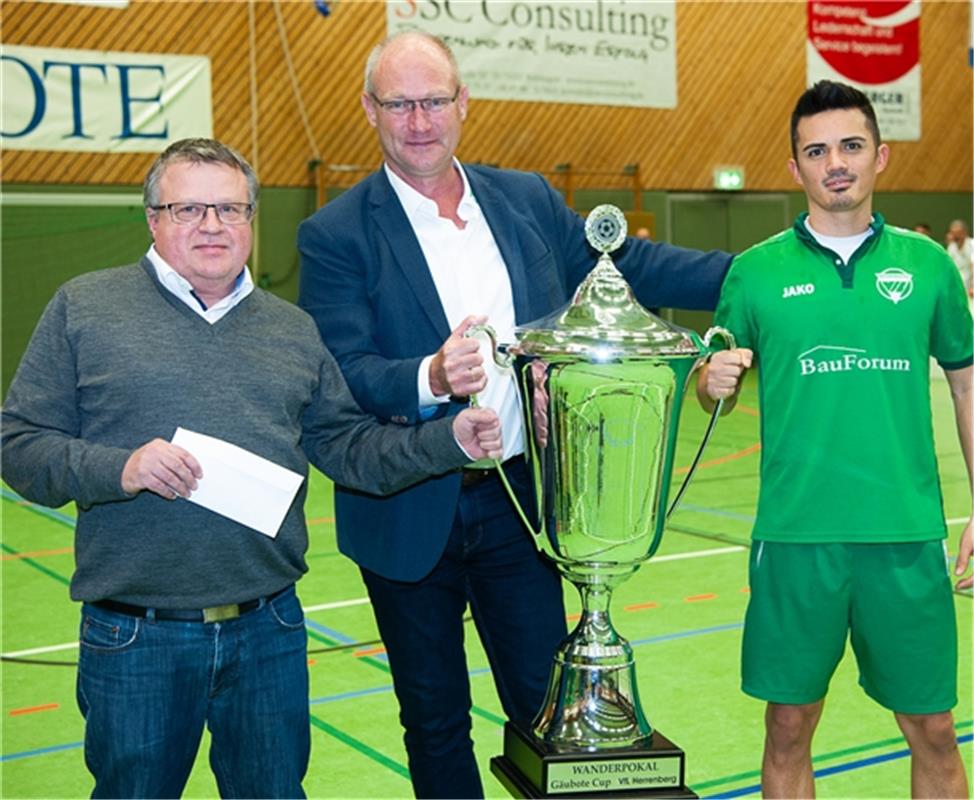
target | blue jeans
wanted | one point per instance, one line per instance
(146, 687)
(515, 596)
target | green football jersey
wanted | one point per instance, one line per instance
(843, 368)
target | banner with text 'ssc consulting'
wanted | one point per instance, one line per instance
(596, 52)
(96, 101)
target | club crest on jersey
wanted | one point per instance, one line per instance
(894, 284)
(798, 290)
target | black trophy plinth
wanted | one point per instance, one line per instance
(532, 768)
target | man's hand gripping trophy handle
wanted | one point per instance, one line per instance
(503, 360)
(716, 409)
(456, 370)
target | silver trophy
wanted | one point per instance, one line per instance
(601, 383)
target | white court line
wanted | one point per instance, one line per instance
(698, 554)
(38, 650)
(69, 645)
(361, 601)
(957, 520)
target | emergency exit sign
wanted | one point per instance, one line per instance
(728, 179)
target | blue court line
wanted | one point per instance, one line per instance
(324, 630)
(44, 511)
(825, 771)
(731, 626)
(332, 698)
(41, 751)
(58, 516)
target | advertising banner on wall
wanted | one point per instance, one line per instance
(875, 46)
(596, 52)
(87, 100)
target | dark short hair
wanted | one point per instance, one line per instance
(830, 96)
(197, 151)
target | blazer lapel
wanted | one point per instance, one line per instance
(503, 224)
(390, 218)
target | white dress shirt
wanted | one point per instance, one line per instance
(470, 278)
(183, 289)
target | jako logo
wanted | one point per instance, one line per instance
(799, 289)
(826, 358)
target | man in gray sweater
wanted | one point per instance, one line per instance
(190, 618)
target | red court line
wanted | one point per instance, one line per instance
(375, 651)
(36, 553)
(699, 597)
(640, 606)
(723, 459)
(320, 520)
(746, 590)
(572, 617)
(33, 709)
(751, 412)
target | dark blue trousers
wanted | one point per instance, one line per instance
(515, 596)
(147, 687)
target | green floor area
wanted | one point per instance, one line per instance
(682, 611)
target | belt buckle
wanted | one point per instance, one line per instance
(221, 613)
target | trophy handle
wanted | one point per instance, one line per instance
(731, 343)
(503, 360)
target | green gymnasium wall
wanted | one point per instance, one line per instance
(55, 237)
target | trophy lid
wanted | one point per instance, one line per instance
(604, 321)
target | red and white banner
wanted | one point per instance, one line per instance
(873, 45)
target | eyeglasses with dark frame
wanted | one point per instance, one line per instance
(191, 213)
(402, 106)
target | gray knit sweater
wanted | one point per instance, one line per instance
(117, 360)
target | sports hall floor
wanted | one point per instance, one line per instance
(682, 611)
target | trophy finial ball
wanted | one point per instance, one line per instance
(605, 228)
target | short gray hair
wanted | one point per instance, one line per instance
(379, 49)
(198, 151)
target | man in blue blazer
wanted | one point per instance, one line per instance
(394, 272)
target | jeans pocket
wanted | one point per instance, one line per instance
(111, 632)
(286, 611)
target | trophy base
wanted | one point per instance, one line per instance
(532, 768)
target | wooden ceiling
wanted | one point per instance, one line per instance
(741, 65)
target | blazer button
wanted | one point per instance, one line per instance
(399, 419)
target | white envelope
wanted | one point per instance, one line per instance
(239, 484)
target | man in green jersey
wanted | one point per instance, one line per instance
(843, 312)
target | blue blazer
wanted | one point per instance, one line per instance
(365, 281)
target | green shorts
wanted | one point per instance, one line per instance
(893, 600)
